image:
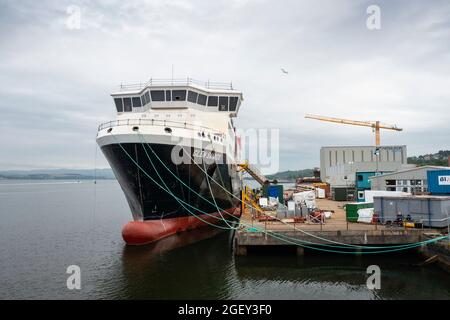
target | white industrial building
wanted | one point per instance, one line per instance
(412, 180)
(338, 165)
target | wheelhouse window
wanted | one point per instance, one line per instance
(212, 101)
(192, 96)
(127, 104)
(168, 95)
(233, 103)
(179, 95)
(223, 103)
(157, 95)
(119, 104)
(147, 97)
(201, 99)
(137, 102)
(144, 100)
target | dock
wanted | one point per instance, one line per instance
(254, 233)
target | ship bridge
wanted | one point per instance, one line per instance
(173, 94)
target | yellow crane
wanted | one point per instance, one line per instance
(375, 125)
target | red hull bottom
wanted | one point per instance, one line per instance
(145, 232)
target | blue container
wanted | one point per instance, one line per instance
(438, 181)
(363, 181)
(273, 192)
(276, 191)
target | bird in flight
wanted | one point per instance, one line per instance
(284, 71)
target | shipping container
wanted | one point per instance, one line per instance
(320, 193)
(274, 191)
(363, 183)
(360, 195)
(362, 180)
(351, 210)
(438, 181)
(432, 211)
(370, 194)
(325, 186)
(343, 194)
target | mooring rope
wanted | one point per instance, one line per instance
(165, 185)
(307, 233)
(283, 237)
(346, 246)
(214, 198)
(168, 191)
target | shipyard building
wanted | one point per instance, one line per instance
(347, 168)
(426, 179)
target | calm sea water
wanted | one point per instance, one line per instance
(45, 226)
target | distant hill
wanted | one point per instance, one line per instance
(436, 159)
(58, 174)
(86, 174)
(291, 175)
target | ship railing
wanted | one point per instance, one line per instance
(177, 82)
(161, 123)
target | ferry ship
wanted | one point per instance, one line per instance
(174, 151)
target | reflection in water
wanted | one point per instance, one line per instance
(331, 276)
(44, 228)
(208, 270)
(193, 264)
(141, 256)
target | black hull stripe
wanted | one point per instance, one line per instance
(148, 201)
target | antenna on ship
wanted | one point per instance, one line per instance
(172, 73)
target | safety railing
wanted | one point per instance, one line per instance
(439, 220)
(161, 123)
(434, 220)
(177, 82)
(254, 172)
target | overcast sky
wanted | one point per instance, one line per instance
(55, 81)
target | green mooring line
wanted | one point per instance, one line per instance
(273, 234)
(347, 245)
(324, 239)
(168, 191)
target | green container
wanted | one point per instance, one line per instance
(340, 194)
(265, 190)
(351, 210)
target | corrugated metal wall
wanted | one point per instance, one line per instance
(438, 181)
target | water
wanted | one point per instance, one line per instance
(46, 226)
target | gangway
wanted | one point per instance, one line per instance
(253, 172)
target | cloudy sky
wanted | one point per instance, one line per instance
(56, 80)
